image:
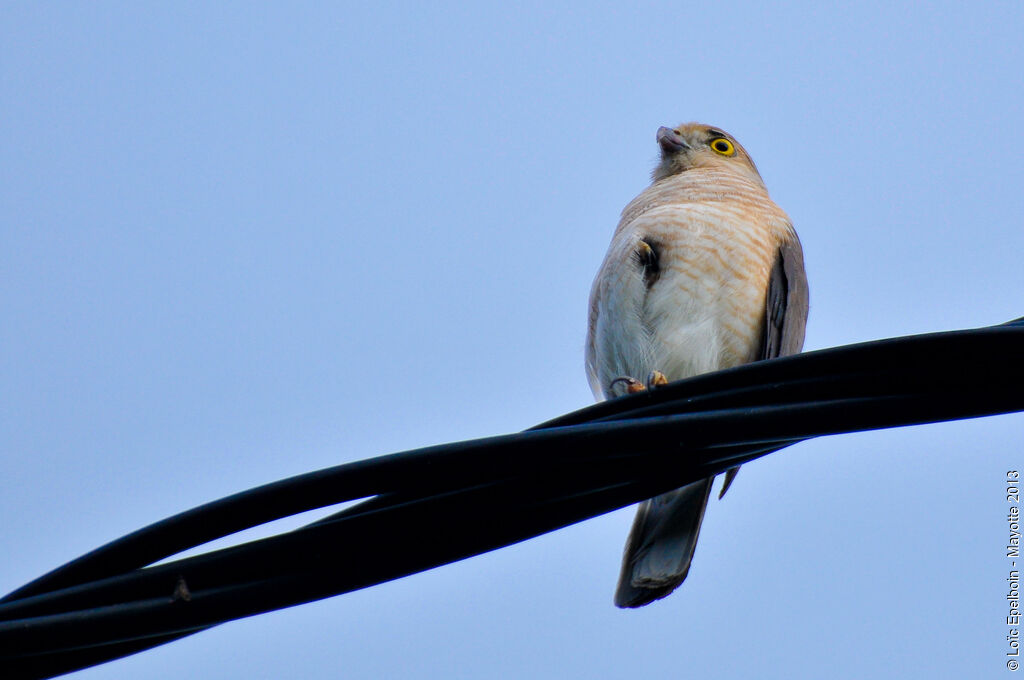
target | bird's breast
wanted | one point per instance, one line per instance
(714, 240)
(706, 309)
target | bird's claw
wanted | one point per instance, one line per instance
(632, 384)
(655, 379)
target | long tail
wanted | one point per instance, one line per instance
(661, 544)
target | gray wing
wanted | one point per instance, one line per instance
(786, 303)
(785, 313)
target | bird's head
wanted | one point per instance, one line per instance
(694, 145)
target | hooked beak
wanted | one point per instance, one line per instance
(671, 141)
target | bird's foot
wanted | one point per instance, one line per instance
(632, 385)
(656, 379)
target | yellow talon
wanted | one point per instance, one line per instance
(656, 379)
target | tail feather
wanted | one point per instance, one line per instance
(661, 544)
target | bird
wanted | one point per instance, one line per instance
(704, 272)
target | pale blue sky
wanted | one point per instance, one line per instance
(247, 241)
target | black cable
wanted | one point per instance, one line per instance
(440, 504)
(320, 489)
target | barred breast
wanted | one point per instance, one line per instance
(715, 235)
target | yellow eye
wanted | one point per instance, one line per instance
(723, 146)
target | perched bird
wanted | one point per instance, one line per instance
(704, 272)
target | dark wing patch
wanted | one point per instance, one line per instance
(786, 303)
(648, 257)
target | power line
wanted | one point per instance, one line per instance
(428, 507)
